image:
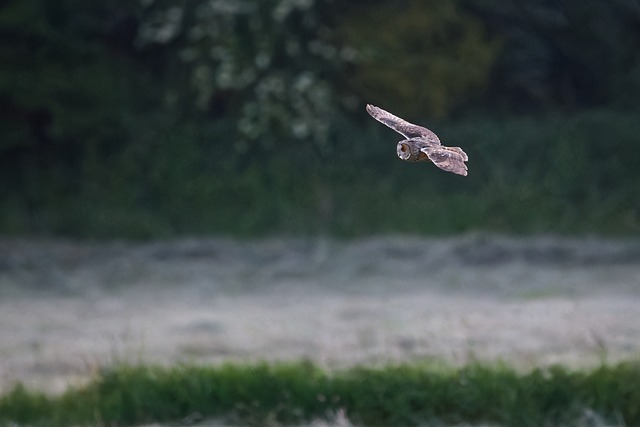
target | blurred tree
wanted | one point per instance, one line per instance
(269, 64)
(571, 53)
(139, 115)
(428, 59)
(66, 89)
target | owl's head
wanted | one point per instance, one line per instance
(406, 151)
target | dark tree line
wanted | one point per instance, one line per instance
(570, 53)
(121, 103)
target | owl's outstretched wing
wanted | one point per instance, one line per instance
(403, 127)
(450, 159)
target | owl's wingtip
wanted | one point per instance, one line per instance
(372, 109)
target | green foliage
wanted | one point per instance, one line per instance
(430, 58)
(70, 92)
(561, 173)
(294, 393)
(160, 118)
(574, 53)
(269, 64)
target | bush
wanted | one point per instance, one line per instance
(294, 393)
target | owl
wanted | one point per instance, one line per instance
(421, 144)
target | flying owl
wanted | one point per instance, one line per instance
(421, 144)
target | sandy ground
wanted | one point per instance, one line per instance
(68, 308)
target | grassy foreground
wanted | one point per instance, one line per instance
(292, 393)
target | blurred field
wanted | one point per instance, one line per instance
(68, 309)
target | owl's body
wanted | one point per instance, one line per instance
(422, 145)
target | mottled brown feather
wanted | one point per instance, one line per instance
(422, 144)
(447, 159)
(403, 127)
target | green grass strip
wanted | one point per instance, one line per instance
(293, 393)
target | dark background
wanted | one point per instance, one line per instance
(147, 119)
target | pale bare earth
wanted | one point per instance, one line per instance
(69, 308)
